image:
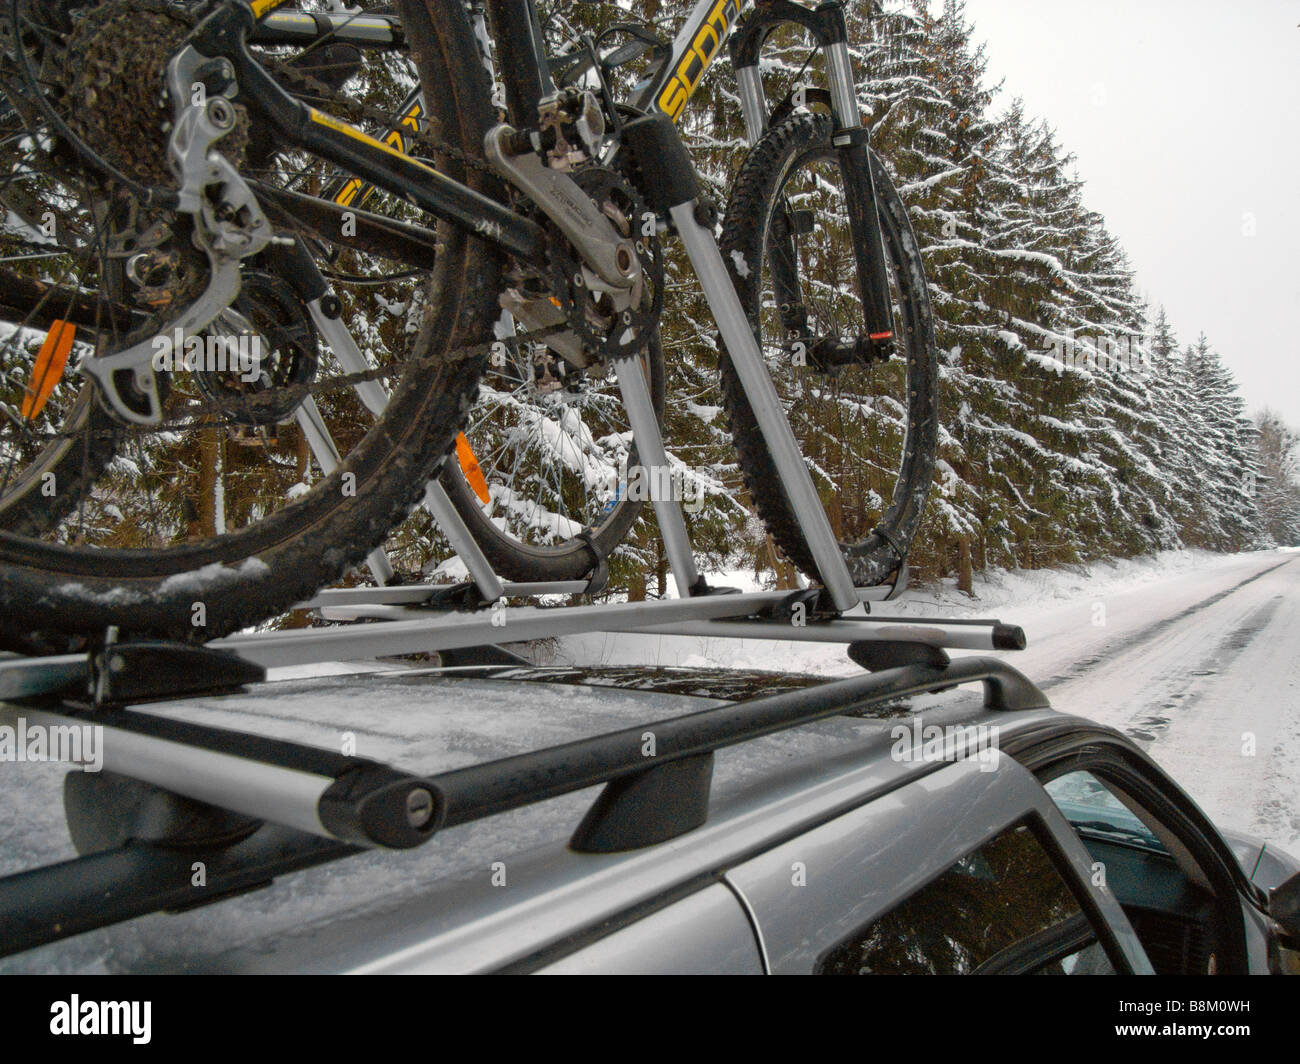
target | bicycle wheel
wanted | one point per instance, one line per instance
(132, 553)
(867, 429)
(546, 460)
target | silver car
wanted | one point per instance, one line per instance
(699, 822)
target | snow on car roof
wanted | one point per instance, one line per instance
(424, 721)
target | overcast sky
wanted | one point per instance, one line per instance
(1185, 117)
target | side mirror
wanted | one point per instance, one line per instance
(1284, 906)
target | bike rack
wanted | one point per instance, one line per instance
(252, 808)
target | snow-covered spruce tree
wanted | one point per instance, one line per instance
(1107, 319)
(1049, 473)
(1229, 451)
(1172, 441)
(1278, 497)
(1068, 307)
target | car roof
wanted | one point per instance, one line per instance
(357, 912)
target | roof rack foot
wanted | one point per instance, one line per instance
(702, 589)
(106, 810)
(459, 597)
(122, 673)
(487, 654)
(647, 808)
(879, 655)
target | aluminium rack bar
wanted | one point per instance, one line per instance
(411, 630)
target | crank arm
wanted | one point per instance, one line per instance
(612, 258)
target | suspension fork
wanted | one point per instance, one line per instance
(852, 141)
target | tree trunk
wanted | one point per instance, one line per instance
(636, 586)
(209, 457)
(303, 454)
(786, 578)
(965, 579)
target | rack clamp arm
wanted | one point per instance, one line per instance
(121, 672)
(600, 572)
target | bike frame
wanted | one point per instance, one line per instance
(526, 78)
(524, 71)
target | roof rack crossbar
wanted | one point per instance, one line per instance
(478, 791)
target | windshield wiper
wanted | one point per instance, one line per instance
(1105, 827)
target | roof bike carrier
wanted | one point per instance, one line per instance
(468, 617)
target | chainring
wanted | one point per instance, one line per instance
(605, 330)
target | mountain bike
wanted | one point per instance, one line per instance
(562, 207)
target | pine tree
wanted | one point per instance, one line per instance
(1278, 496)
(1230, 454)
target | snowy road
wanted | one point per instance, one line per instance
(1204, 671)
(1196, 656)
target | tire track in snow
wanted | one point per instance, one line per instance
(1132, 641)
(1188, 688)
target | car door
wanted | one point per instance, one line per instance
(1166, 863)
(705, 933)
(962, 870)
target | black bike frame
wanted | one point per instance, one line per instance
(225, 34)
(524, 71)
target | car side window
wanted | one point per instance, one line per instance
(1091, 808)
(1004, 908)
(1167, 900)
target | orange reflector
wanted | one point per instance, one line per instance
(469, 466)
(882, 336)
(48, 369)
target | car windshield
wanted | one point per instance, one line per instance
(1092, 809)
